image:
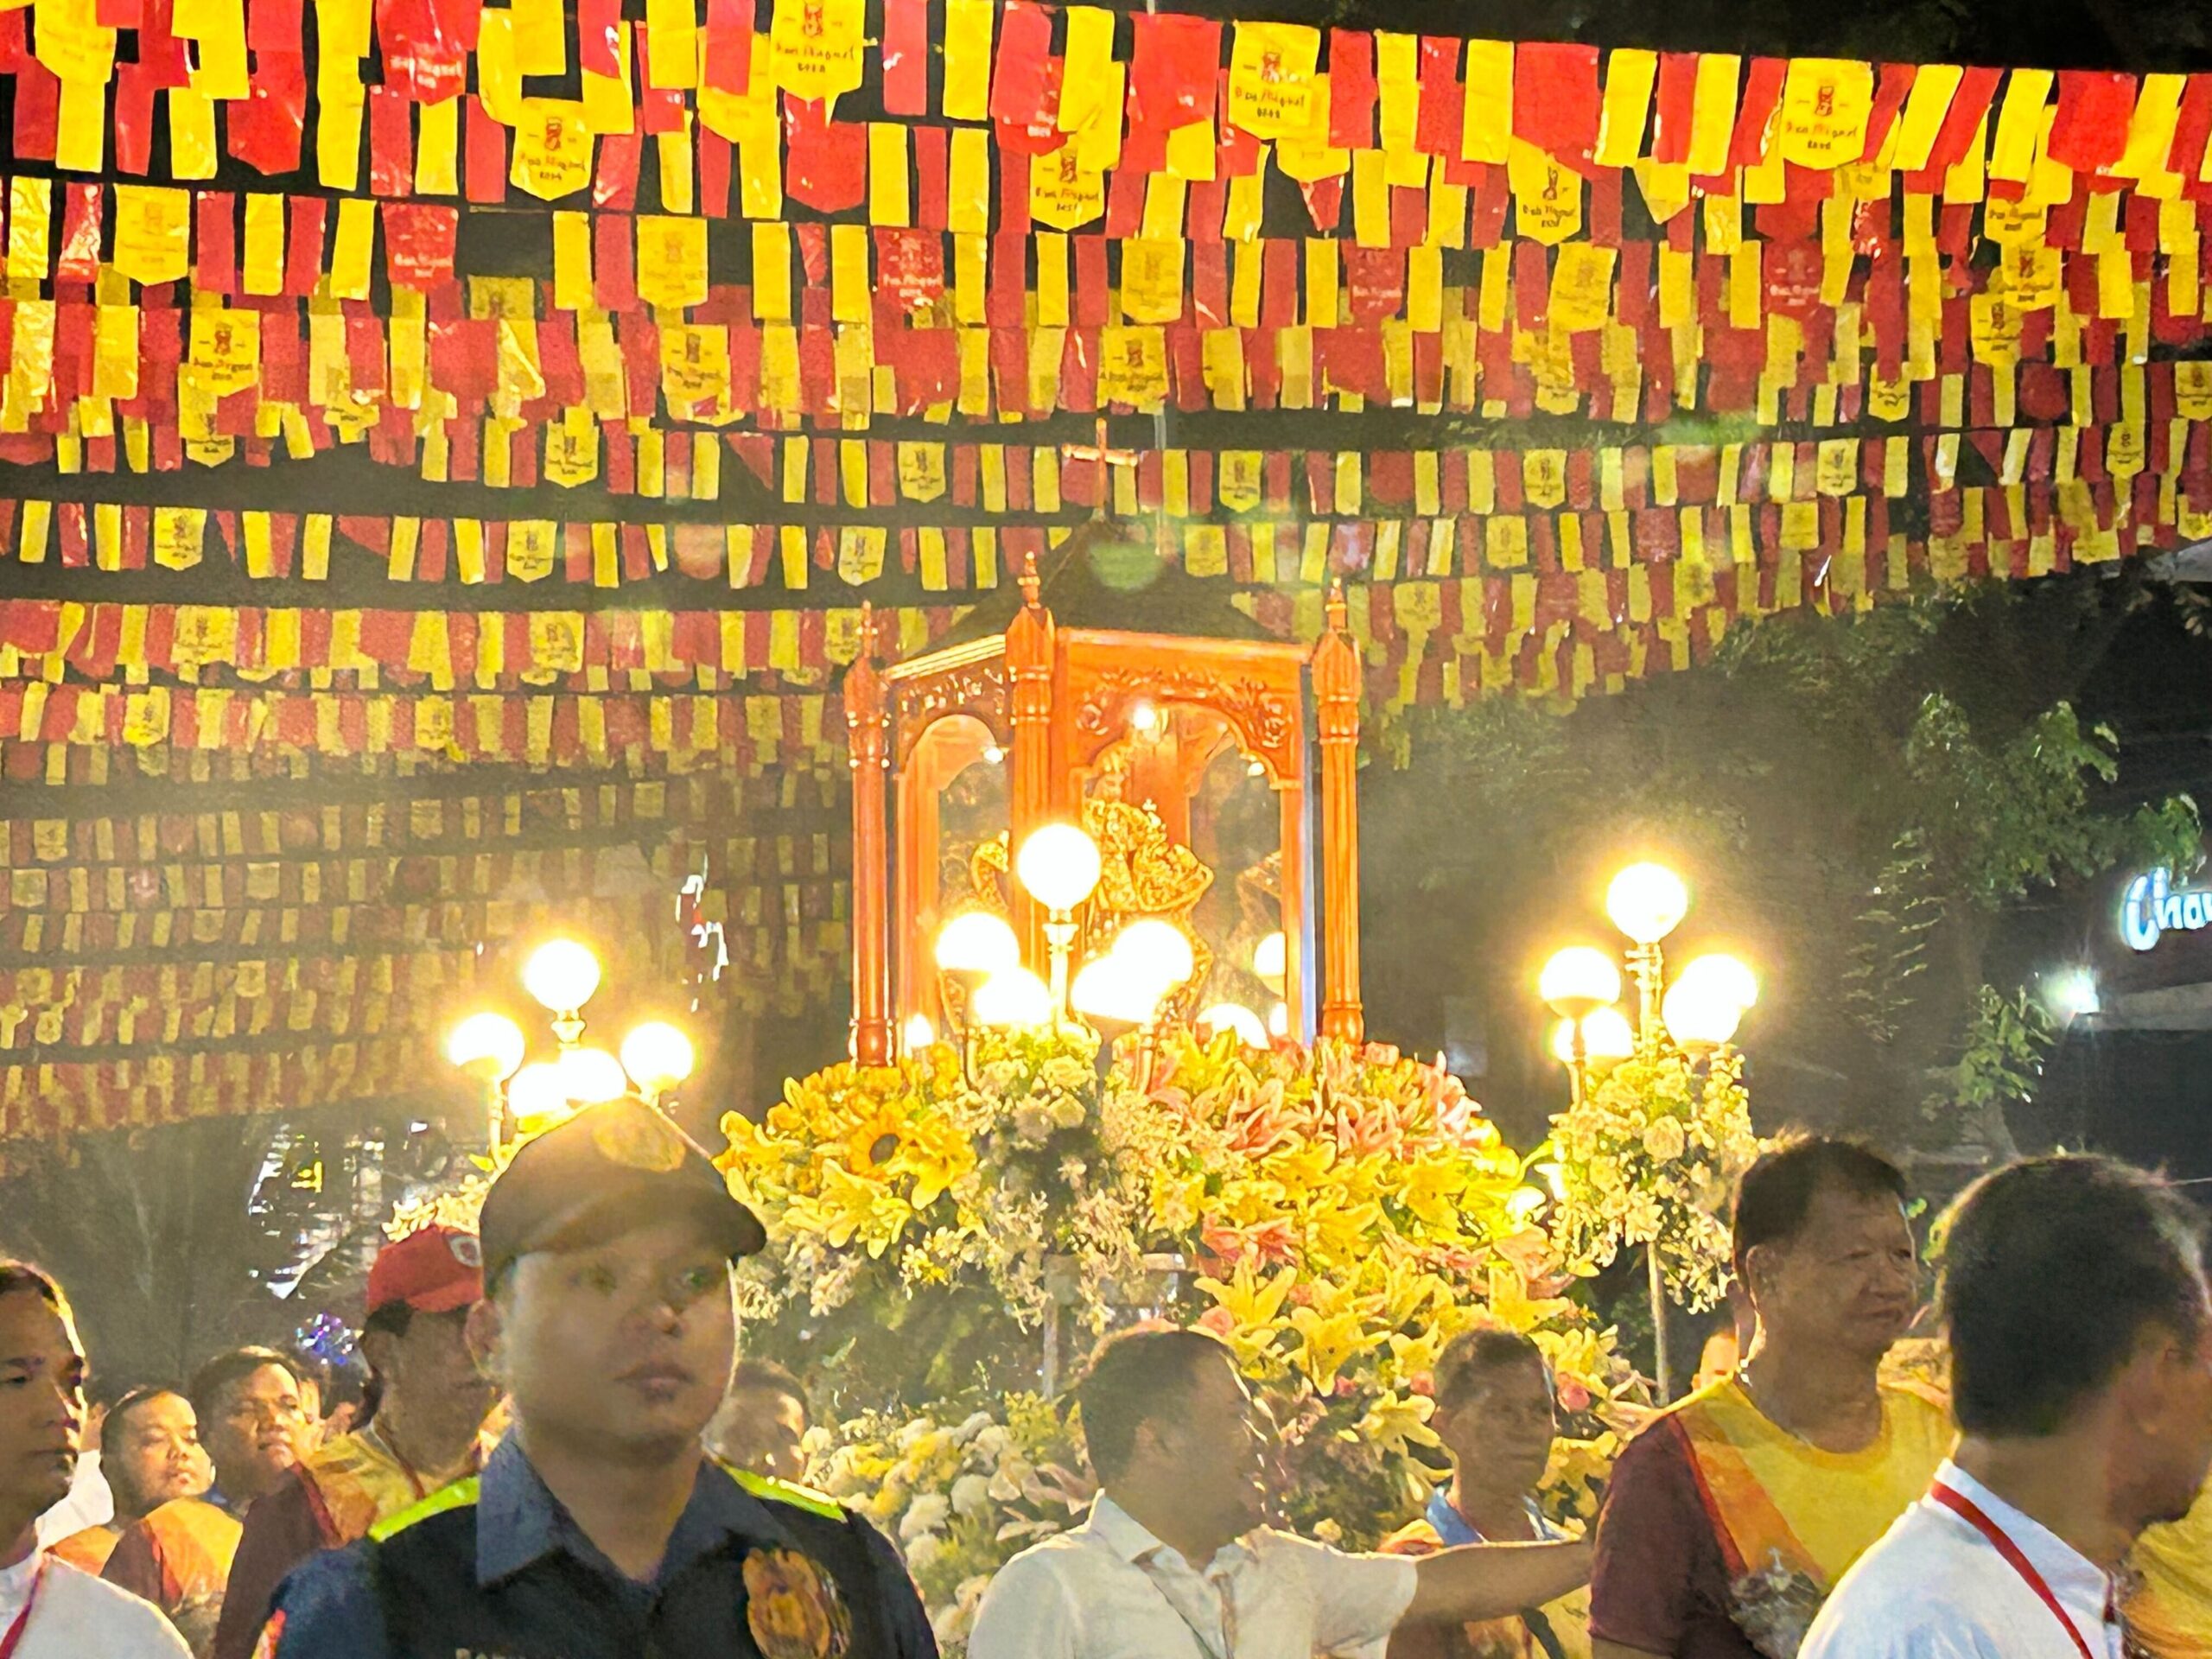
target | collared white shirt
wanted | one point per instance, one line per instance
(89, 1503)
(1934, 1588)
(78, 1616)
(1110, 1590)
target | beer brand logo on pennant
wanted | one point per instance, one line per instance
(792, 1607)
(1272, 84)
(815, 47)
(1826, 104)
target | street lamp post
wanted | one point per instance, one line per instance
(561, 976)
(1696, 1015)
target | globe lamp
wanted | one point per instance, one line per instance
(1697, 1016)
(1271, 961)
(1012, 997)
(590, 1076)
(1109, 994)
(1724, 977)
(1233, 1016)
(657, 1056)
(1579, 981)
(487, 1046)
(561, 975)
(1157, 951)
(1647, 902)
(1057, 866)
(537, 1096)
(974, 944)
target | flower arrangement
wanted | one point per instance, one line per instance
(943, 1240)
(1648, 1156)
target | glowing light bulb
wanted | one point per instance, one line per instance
(1057, 866)
(488, 1047)
(1158, 950)
(1724, 977)
(1271, 961)
(920, 1033)
(1109, 992)
(1647, 902)
(536, 1094)
(976, 942)
(657, 1056)
(1144, 719)
(561, 974)
(1607, 1036)
(1579, 981)
(1697, 1016)
(1234, 1016)
(1012, 997)
(590, 1076)
(1279, 1020)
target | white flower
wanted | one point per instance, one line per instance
(1067, 1111)
(1064, 1074)
(920, 1428)
(1663, 1139)
(992, 1443)
(927, 1513)
(976, 1424)
(921, 1551)
(971, 1495)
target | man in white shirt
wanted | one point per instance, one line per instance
(48, 1609)
(2080, 1337)
(1173, 1562)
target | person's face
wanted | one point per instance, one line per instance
(760, 1429)
(1719, 1359)
(2170, 1392)
(1499, 1432)
(41, 1403)
(1212, 1453)
(260, 1431)
(1847, 1282)
(431, 1372)
(624, 1348)
(153, 1455)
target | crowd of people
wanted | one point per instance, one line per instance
(560, 1455)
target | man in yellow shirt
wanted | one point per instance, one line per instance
(1731, 1517)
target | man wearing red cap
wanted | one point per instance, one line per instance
(421, 1428)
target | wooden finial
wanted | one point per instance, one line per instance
(1338, 614)
(1030, 585)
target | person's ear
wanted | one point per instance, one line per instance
(485, 1332)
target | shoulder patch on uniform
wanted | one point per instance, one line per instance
(787, 1492)
(459, 1495)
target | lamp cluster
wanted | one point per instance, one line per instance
(1119, 990)
(562, 976)
(1699, 1011)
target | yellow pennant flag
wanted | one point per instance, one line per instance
(671, 260)
(153, 233)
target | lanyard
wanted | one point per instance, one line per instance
(1971, 1512)
(14, 1638)
(1453, 1529)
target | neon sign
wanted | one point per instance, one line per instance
(2152, 906)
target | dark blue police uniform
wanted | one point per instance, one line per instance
(495, 1568)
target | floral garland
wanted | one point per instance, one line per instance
(1334, 1215)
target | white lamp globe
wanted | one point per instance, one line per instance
(561, 975)
(487, 1046)
(1234, 1016)
(1158, 951)
(1012, 997)
(1723, 977)
(1607, 1038)
(1057, 866)
(1271, 961)
(537, 1094)
(1698, 1017)
(920, 1033)
(590, 1076)
(657, 1056)
(1579, 981)
(1107, 991)
(1647, 902)
(976, 942)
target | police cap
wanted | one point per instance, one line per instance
(611, 1168)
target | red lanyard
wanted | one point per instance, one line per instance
(1971, 1512)
(11, 1642)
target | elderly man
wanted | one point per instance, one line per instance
(1731, 1517)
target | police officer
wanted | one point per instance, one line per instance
(598, 1529)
